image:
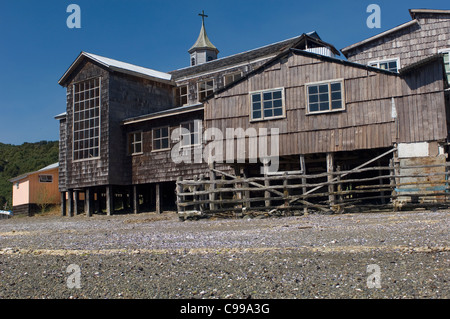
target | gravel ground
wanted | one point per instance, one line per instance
(157, 256)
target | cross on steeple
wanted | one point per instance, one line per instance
(203, 15)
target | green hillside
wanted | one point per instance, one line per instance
(19, 159)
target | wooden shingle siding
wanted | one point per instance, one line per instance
(365, 123)
(158, 166)
(87, 173)
(62, 155)
(411, 44)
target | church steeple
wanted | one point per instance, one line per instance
(203, 50)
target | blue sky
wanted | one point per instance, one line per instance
(37, 47)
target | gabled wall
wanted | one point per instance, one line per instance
(367, 121)
(410, 44)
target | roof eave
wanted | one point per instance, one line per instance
(166, 113)
(378, 36)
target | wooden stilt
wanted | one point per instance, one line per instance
(109, 200)
(63, 204)
(70, 202)
(158, 198)
(330, 169)
(89, 201)
(76, 202)
(135, 200)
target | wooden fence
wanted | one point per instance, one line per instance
(361, 189)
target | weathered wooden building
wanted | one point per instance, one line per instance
(119, 132)
(34, 191)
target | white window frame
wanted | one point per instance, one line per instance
(154, 138)
(46, 178)
(179, 96)
(330, 110)
(264, 118)
(74, 100)
(446, 50)
(378, 62)
(199, 99)
(233, 76)
(197, 131)
(132, 143)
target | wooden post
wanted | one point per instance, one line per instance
(109, 200)
(89, 201)
(212, 186)
(70, 199)
(99, 201)
(247, 203)
(158, 198)
(195, 197)
(202, 188)
(179, 197)
(330, 170)
(286, 190)
(266, 184)
(76, 201)
(63, 204)
(238, 185)
(392, 182)
(135, 200)
(339, 189)
(383, 199)
(303, 168)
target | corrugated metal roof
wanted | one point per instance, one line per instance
(47, 168)
(118, 66)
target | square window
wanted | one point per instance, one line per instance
(324, 97)
(272, 102)
(161, 138)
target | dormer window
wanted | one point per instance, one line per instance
(391, 65)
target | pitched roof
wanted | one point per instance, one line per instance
(164, 113)
(203, 41)
(264, 52)
(413, 12)
(118, 66)
(378, 36)
(47, 168)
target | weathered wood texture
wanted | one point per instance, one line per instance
(417, 183)
(367, 121)
(62, 172)
(158, 165)
(410, 44)
(122, 96)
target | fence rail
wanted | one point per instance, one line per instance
(377, 187)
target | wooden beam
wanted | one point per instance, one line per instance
(135, 200)
(70, 203)
(89, 194)
(158, 198)
(109, 200)
(212, 186)
(303, 169)
(63, 204)
(76, 201)
(330, 170)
